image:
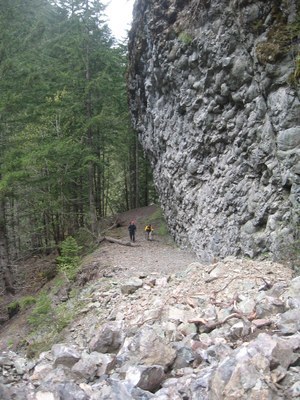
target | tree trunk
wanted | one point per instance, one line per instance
(92, 205)
(126, 189)
(6, 283)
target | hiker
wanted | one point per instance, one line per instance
(132, 229)
(149, 229)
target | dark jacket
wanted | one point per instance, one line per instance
(132, 228)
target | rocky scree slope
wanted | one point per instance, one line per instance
(214, 97)
(226, 330)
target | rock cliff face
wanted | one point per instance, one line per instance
(214, 96)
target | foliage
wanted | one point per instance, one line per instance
(294, 78)
(185, 37)
(26, 302)
(297, 68)
(36, 347)
(68, 154)
(21, 304)
(48, 322)
(42, 313)
(282, 39)
(158, 221)
(63, 316)
(10, 343)
(13, 308)
(85, 240)
(68, 261)
(48, 274)
(268, 52)
(257, 26)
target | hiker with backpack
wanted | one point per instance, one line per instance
(132, 229)
(149, 231)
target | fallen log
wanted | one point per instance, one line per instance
(117, 241)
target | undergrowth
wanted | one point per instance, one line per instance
(158, 222)
(69, 260)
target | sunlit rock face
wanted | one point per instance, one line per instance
(214, 97)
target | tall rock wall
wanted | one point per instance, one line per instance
(214, 96)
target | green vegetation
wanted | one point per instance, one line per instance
(282, 39)
(185, 37)
(268, 52)
(68, 262)
(42, 314)
(13, 308)
(10, 343)
(47, 322)
(68, 154)
(20, 305)
(158, 221)
(63, 316)
(257, 26)
(26, 302)
(37, 347)
(294, 78)
(86, 240)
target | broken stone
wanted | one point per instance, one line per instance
(146, 377)
(239, 329)
(131, 286)
(65, 355)
(148, 348)
(108, 339)
(289, 322)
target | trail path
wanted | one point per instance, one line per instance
(235, 304)
(145, 257)
(160, 256)
(148, 257)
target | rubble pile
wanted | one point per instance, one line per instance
(222, 331)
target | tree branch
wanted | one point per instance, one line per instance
(210, 326)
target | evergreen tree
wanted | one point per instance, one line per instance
(68, 155)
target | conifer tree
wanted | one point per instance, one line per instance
(68, 155)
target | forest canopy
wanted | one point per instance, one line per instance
(68, 154)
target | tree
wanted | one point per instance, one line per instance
(68, 154)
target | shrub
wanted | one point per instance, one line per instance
(68, 261)
(63, 317)
(26, 302)
(268, 52)
(13, 308)
(34, 349)
(282, 39)
(159, 223)
(294, 78)
(21, 304)
(42, 313)
(185, 37)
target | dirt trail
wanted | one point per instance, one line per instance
(159, 256)
(144, 257)
(148, 257)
